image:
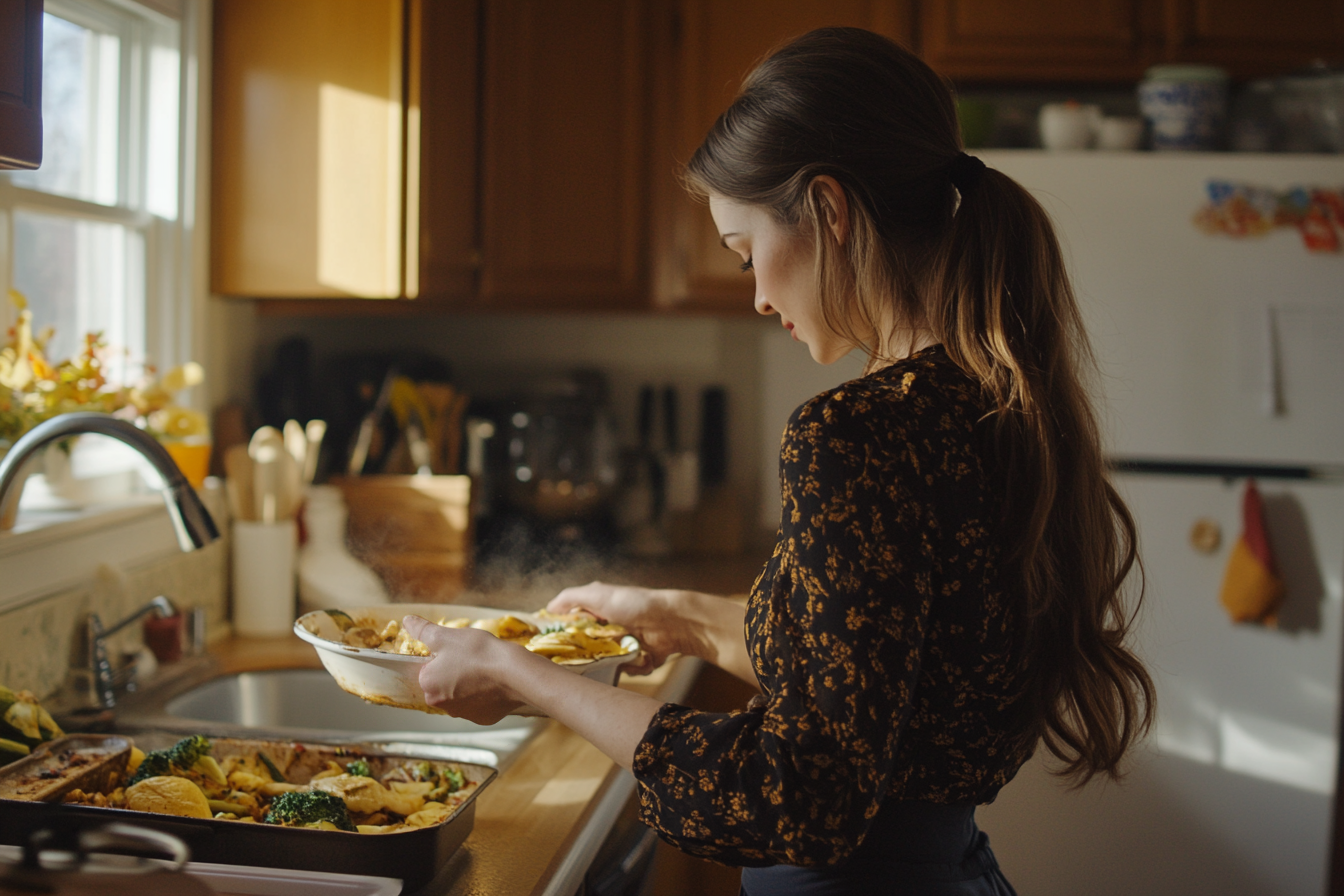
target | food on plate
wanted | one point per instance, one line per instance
(23, 724)
(365, 794)
(169, 795)
(570, 638)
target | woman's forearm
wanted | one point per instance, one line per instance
(611, 719)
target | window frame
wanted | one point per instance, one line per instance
(167, 336)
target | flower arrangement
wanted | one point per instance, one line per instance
(34, 389)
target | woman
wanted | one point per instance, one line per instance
(945, 593)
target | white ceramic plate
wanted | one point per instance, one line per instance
(393, 679)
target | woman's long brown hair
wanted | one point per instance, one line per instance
(982, 270)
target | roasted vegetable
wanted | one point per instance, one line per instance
(11, 750)
(276, 775)
(358, 767)
(303, 808)
(188, 758)
(23, 720)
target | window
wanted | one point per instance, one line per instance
(99, 238)
(96, 238)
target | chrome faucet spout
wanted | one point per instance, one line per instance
(191, 521)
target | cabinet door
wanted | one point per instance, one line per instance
(445, 104)
(20, 83)
(563, 173)
(309, 120)
(1255, 38)
(711, 45)
(1038, 40)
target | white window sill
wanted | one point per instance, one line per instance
(49, 551)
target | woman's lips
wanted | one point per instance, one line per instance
(788, 326)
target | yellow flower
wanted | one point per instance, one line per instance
(173, 422)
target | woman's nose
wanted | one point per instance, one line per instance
(763, 305)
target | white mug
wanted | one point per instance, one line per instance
(1068, 125)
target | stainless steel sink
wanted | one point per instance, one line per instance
(308, 704)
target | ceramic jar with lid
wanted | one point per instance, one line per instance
(1185, 106)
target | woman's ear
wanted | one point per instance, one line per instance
(834, 205)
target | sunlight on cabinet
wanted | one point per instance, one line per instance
(359, 139)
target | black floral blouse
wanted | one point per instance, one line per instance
(884, 636)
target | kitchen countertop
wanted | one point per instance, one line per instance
(539, 825)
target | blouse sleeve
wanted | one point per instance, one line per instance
(837, 647)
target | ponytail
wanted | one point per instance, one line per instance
(999, 300)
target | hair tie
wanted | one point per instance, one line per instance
(965, 172)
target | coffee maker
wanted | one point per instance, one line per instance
(550, 473)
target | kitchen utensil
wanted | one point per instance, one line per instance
(1185, 105)
(683, 475)
(239, 483)
(76, 863)
(359, 454)
(393, 679)
(314, 433)
(414, 856)
(266, 480)
(264, 555)
(296, 442)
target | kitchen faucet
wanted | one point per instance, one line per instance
(191, 521)
(91, 672)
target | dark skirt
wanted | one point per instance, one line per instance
(912, 849)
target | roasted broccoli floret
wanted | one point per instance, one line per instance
(188, 750)
(423, 771)
(359, 767)
(188, 758)
(300, 808)
(454, 778)
(153, 765)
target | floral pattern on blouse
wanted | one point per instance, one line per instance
(883, 635)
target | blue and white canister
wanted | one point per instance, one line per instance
(1185, 106)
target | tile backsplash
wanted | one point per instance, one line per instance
(39, 635)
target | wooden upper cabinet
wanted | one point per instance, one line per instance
(20, 83)
(446, 100)
(710, 45)
(563, 177)
(319, 148)
(1039, 40)
(1255, 38)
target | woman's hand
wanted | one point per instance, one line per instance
(467, 672)
(651, 616)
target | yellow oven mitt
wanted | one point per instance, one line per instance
(1252, 589)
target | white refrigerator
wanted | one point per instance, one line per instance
(1219, 351)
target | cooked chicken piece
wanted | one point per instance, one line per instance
(573, 645)
(241, 780)
(362, 637)
(432, 814)
(367, 796)
(507, 628)
(275, 788)
(390, 631)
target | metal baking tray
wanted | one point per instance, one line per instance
(61, 765)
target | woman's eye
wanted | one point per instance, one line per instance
(745, 266)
